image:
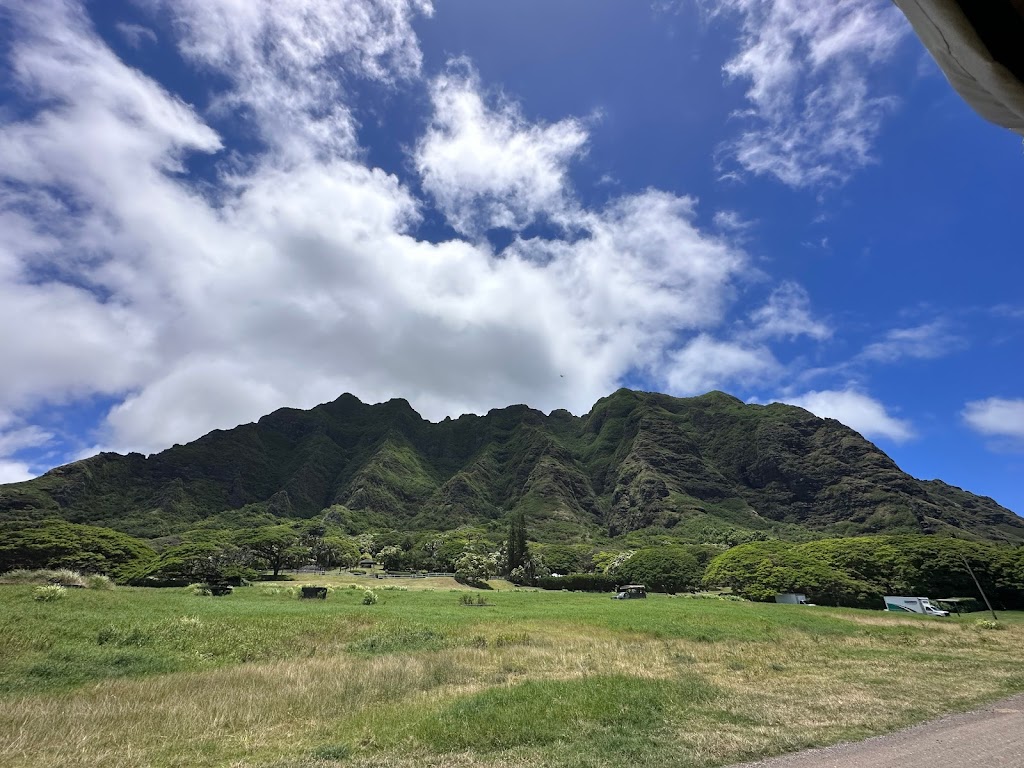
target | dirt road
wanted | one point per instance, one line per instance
(992, 737)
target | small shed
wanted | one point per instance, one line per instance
(959, 605)
(367, 562)
(791, 598)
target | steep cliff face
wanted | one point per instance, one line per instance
(637, 460)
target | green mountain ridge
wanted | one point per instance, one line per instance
(637, 461)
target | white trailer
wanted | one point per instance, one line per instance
(791, 598)
(920, 605)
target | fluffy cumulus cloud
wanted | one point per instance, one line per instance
(996, 417)
(706, 363)
(856, 410)
(298, 278)
(284, 59)
(813, 111)
(488, 168)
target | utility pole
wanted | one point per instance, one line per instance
(978, 585)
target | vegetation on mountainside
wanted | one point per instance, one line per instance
(707, 469)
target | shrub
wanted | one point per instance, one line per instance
(987, 624)
(583, 582)
(62, 576)
(49, 593)
(369, 597)
(99, 581)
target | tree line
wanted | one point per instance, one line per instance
(858, 571)
(853, 571)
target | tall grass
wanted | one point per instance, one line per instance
(258, 680)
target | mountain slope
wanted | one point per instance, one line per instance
(636, 461)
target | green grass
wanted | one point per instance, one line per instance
(259, 679)
(543, 712)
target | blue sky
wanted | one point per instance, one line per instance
(209, 210)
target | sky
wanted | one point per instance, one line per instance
(211, 209)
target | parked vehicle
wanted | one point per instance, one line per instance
(920, 605)
(631, 592)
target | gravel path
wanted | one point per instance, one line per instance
(992, 737)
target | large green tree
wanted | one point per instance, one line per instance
(517, 550)
(662, 569)
(210, 560)
(58, 544)
(276, 546)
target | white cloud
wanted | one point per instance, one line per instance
(813, 115)
(135, 34)
(14, 439)
(27, 437)
(706, 363)
(287, 60)
(301, 280)
(732, 222)
(996, 417)
(15, 471)
(787, 315)
(488, 168)
(922, 342)
(856, 410)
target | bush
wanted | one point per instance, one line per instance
(369, 597)
(581, 582)
(99, 581)
(49, 593)
(987, 624)
(62, 576)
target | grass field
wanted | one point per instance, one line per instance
(258, 679)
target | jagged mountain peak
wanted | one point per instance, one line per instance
(692, 466)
